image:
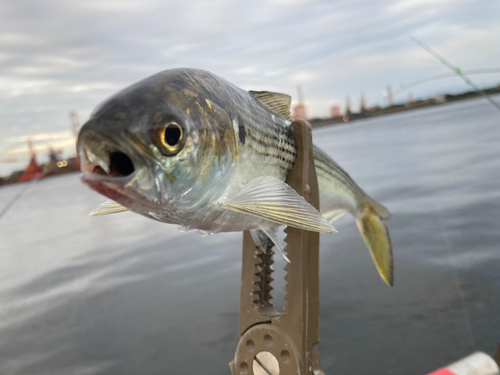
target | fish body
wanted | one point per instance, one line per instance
(187, 147)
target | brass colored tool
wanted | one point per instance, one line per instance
(274, 343)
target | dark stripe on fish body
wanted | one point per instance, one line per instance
(276, 150)
(241, 130)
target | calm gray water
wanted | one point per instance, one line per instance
(125, 295)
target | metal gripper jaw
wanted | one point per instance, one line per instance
(283, 343)
(263, 269)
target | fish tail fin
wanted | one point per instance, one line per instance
(377, 239)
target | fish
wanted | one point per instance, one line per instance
(187, 147)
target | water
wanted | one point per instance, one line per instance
(126, 295)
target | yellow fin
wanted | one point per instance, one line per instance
(279, 103)
(107, 208)
(377, 240)
(273, 200)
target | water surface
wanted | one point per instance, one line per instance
(126, 295)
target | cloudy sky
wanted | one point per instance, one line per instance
(57, 56)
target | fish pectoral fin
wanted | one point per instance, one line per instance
(279, 103)
(273, 200)
(107, 208)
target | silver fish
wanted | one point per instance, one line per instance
(186, 147)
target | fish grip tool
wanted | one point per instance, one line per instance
(274, 343)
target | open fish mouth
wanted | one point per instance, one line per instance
(108, 174)
(112, 168)
(106, 160)
(106, 168)
(117, 168)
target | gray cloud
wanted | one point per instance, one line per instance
(57, 56)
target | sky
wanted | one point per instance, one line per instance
(59, 56)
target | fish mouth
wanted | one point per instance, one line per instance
(100, 157)
(110, 175)
(118, 167)
(107, 168)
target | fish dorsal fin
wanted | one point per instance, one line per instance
(107, 208)
(279, 103)
(271, 199)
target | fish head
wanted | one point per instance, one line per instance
(161, 148)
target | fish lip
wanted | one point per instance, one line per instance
(115, 188)
(112, 187)
(122, 181)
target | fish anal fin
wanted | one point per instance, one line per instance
(279, 243)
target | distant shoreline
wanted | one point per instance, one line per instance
(437, 100)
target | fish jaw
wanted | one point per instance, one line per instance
(132, 191)
(113, 188)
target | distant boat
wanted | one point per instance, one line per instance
(32, 171)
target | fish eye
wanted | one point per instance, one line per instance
(168, 138)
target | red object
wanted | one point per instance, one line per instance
(335, 111)
(299, 111)
(442, 371)
(32, 171)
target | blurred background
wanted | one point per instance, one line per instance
(126, 295)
